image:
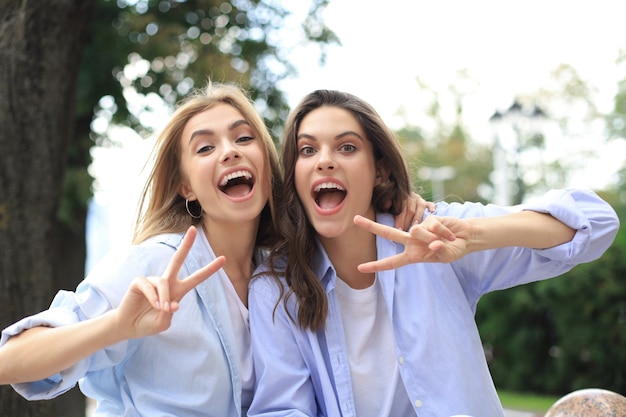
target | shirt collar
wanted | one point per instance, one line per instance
(324, 269)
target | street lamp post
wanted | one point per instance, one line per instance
(514, 131)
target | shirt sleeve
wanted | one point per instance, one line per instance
(283, 381)
(99, 292)
(595, 222)
(67, 308)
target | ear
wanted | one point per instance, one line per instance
(382, 172)
(186, 192)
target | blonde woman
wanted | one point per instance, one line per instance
(215, 174)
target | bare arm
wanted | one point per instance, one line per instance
(528, 229)
(146, 309)
(40, 352)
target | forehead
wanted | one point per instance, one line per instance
(221, 116)
(329, 121)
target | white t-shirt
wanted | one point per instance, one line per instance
(376, 384)
(241, 328)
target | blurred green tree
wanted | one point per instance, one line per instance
(563, 334)
(446, 162)
(617, 120)
(567, 333)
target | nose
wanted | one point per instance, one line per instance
(325, 160)
(230, 152)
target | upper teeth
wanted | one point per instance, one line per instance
(233, 175)
(328, 185)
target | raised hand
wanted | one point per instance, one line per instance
(150, 302)
(413, 211)
(437, 239)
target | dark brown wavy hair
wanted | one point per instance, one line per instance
(298, 246)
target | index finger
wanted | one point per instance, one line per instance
(173, 268)
(385, 264)
(381, 230)
(200, 275)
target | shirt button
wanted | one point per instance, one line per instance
(401, 360)
(418, 403)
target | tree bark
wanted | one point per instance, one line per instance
(40, 49)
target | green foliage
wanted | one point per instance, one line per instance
(617, 120)
(526, 402)
(563, 334)
(559, 335)
(166, 48)
(471, 162)
(446, 151)
(566, 333)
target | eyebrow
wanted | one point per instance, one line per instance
(337, 137)
(209, 132)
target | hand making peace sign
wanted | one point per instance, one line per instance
(437, 239)
(150, 302)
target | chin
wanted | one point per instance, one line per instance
(329, 231)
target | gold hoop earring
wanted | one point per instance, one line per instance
(189, 211)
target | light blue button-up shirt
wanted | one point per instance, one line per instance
(432, 306)
(191, 369)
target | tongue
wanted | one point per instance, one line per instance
(238, 190)
(330, 199)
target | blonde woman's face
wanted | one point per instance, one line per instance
(223, 166)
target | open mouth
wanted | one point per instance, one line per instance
(328, 195)
(237, 183)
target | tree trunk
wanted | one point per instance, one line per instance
(40, 46)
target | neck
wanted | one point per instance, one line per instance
(236, 241)
(349, 250)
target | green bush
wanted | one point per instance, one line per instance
(563, 334)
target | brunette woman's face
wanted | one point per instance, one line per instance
(223, 165)
(335, 171)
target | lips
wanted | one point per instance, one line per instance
(328, 195)
(237, 184)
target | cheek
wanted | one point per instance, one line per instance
(264, 172)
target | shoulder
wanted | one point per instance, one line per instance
(170, 240)
(470, 209)
(156, 250)
(147, 258)
(267, 280)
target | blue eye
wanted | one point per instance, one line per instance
(348, 147)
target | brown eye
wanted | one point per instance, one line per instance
(307, 150)
(244, 139)
(205, 148)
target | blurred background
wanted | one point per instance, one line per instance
(492, 101)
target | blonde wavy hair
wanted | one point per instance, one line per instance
(161, 207)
